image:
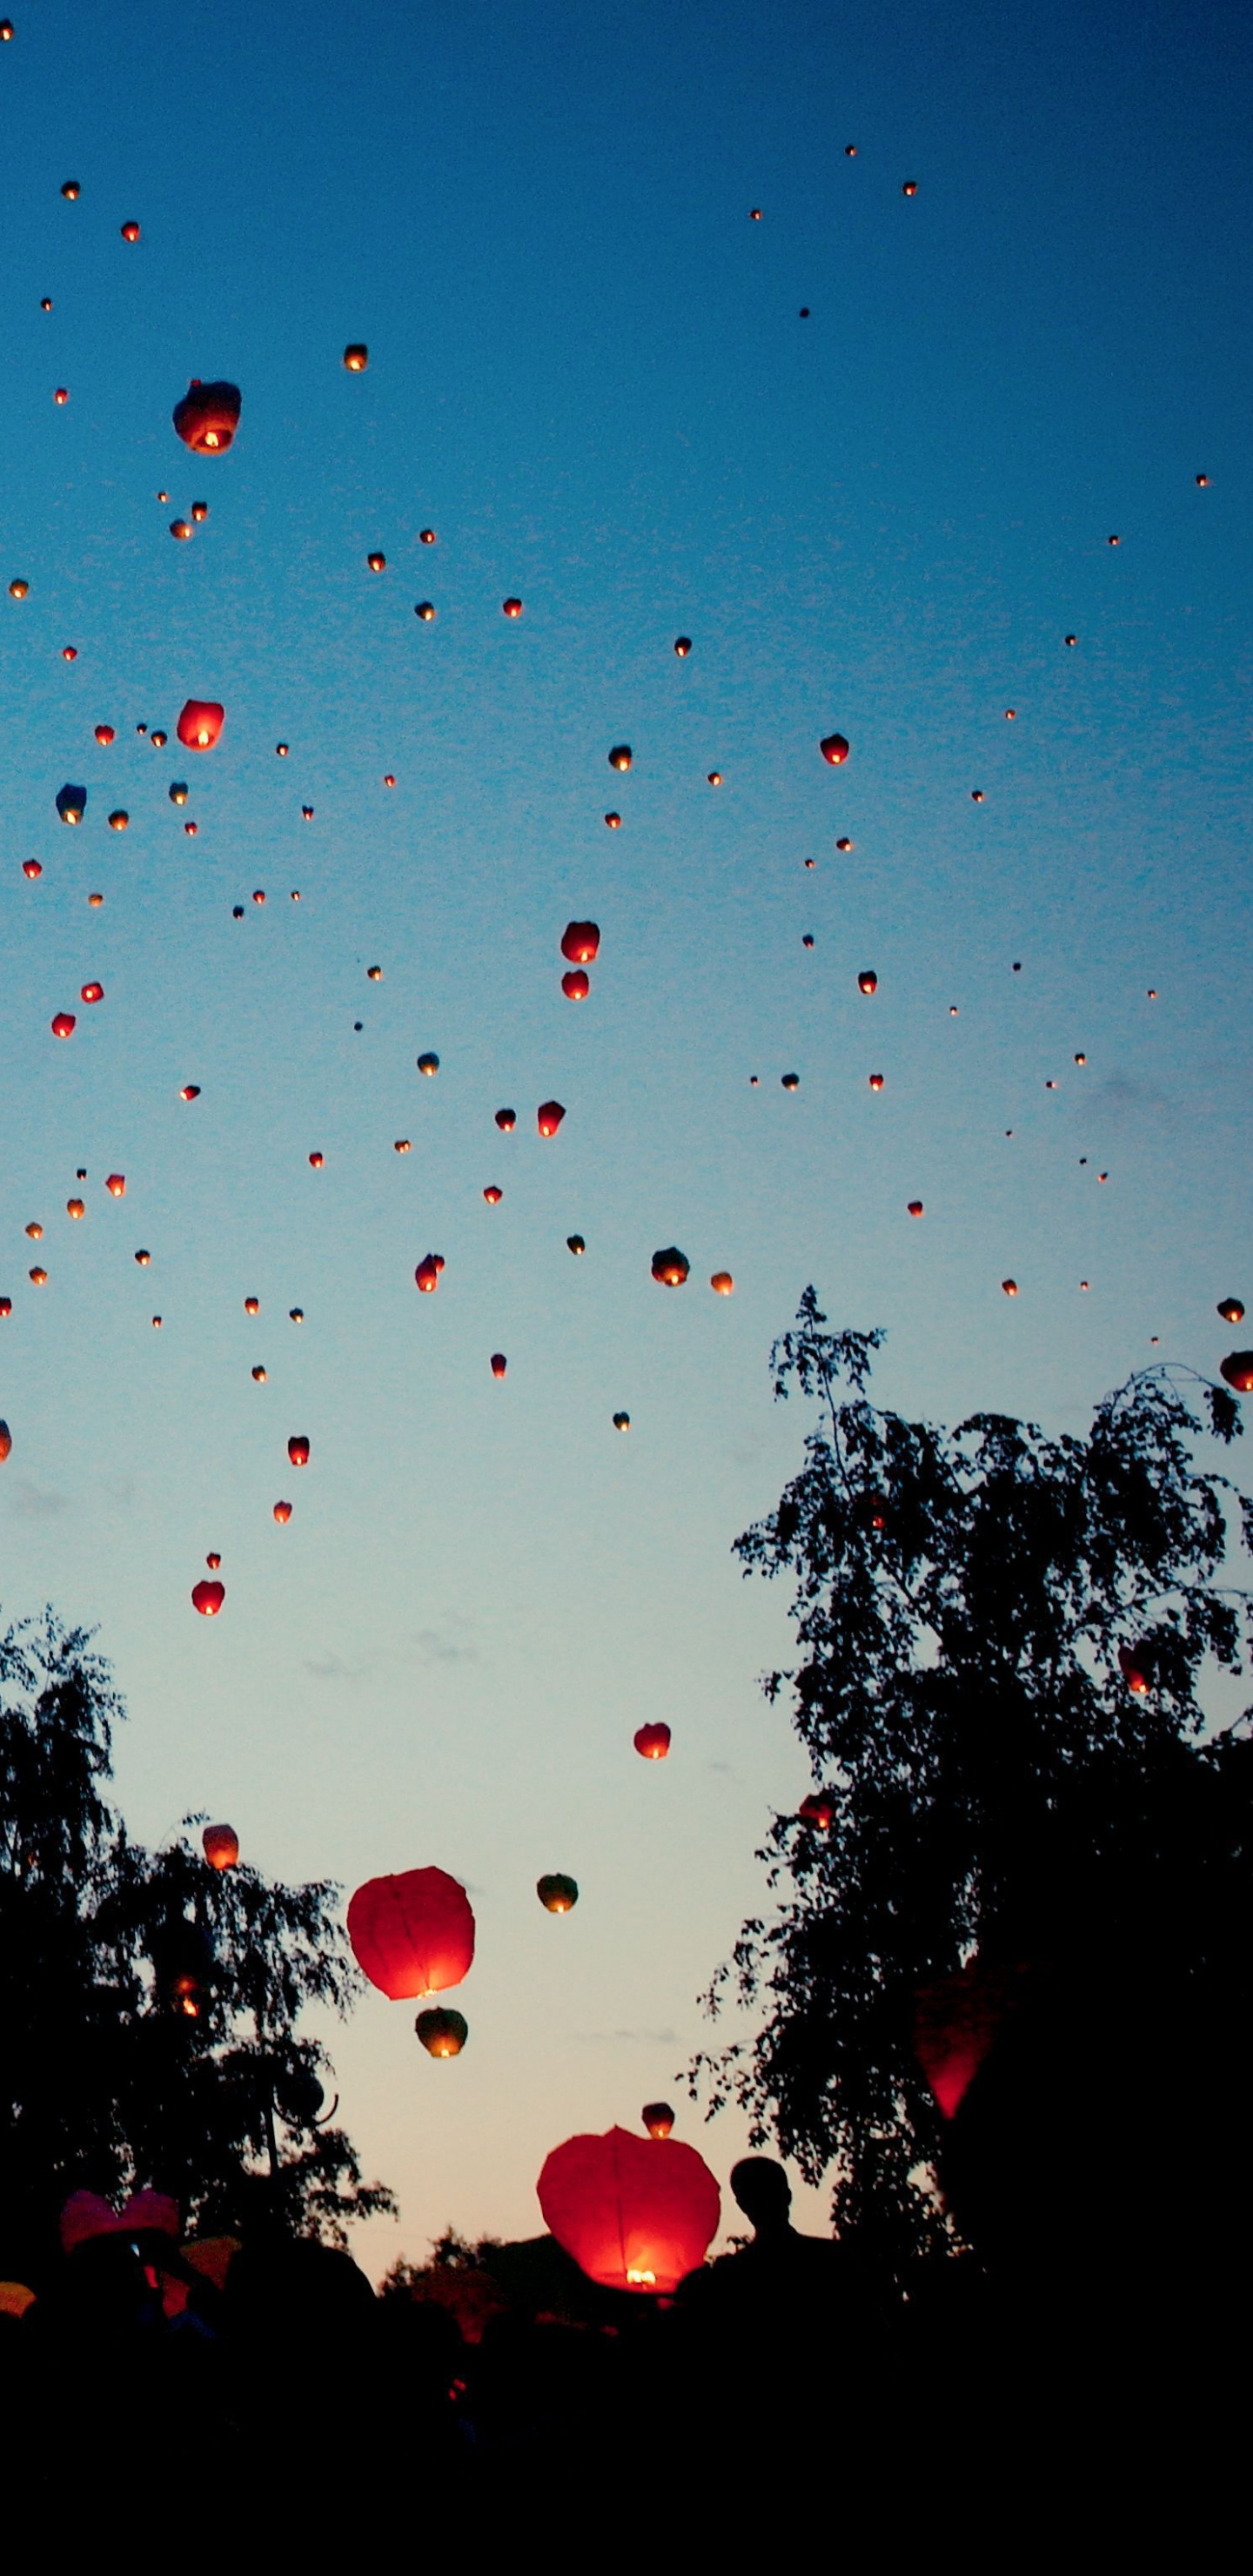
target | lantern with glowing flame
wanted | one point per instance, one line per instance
(549, 1116)
(208, 416)
(658, 2119)
(221, 1846)
(298, 1449)
(652, 1741)
(557, 1894)
(635, 2213)
(443, 2033)
(834, 748)
(956, 2022)
(412, 1933)
(670, 1266)
(580, 942)
(427, 1272)
(200, 723)
(208, 1598)
(1237, 1368)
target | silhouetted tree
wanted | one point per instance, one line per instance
(148, 2003)
(994, 1786)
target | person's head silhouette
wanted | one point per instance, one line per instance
(764, 2194)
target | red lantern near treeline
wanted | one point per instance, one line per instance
(412, 1933)
(221, 1846)
(1237, 1368)
(635, 2213)
(208, 416)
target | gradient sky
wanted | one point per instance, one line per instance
(588, 372)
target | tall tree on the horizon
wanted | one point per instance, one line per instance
(996, 1786)
(149, 2003)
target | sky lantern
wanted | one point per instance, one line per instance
(557, 1893)
(64, 1025)
(282, 1514)
(580, 942)
(356, 357)
(70, 189)
(834, 748)
(575, 984)
(614, 822)
(506, 1120)
(622, 1422)
(427, 1272)
(199, 511)
(620, 756)
(316, 1160)
(722, 1283)
(818, 1809)
(956, 2022)
(116, 1185)
(867, 981)
(443, 2033)
(76, 1208)
(683, 646)
(200, 724)
(1231, 1310)
(575, 1244)
(426, 536)
(653, 1741)
(1010, 1287)
(412, 1933)
(189, 1091)
(511, 607)
(493, 1195)
(425, 609)
(298, 1449)
(105, 734)
(61, 394)
(916, 1207)
(19, 589)
(119, 819)
(499, 1364)
(670, 1266)
(208, 416)
(208, 1598)
(1237, 1368)
(377, 562)
(69, 652)
(548, 1117)
(1134, 1663)
(875, 1081)
(177, 791)
(909, 188)
(32, 868)
(635, 2213)
(428, 1064)
(71, 803)
(181, 529)
(658, 2119)
(6, 1442)
(790, 1081)
(221, 1846)
(714, 778)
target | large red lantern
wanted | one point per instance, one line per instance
(635, 2213)
(221, 1846)
(200, 723)
(208, 416)
(833, 748)
(1237, 1368)
(652, 1741)
(1134, 1663)
(548, 1117)
(956, 2022)
(208, 1598)
(427, 1272)
(580, 941)
(413, 1934)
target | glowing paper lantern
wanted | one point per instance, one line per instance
(356, 357)
(200, 723)
(670, 1266)
(575, 984)
(105, 734)
(298, 1449)
(1237, 1368)
(208, 1598)
(429, 1065)
(506, 1120)
(557, 1894)
(427, 1272)
(92, 993)
(412, 1933)
(499, 1364)
(956, 2021)
(683, 646)
(867, 981)
(620, 756)
(834, 748)
(580, 942)
(549, 1116)
(722, 1284)
(658, 2119)
(635, 2213)
(6, 1441)
(221, 1846)
(71, 802)
(208, 416)
(443, 2033)
(652, 1741)
(1133, 1664)
(116, 1185)
(1231, 1310)
(511, 607)
(282, 1513)
(64, 1025)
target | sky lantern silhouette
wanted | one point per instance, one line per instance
(658, 2119)
(909, 188)
(506, 1120)
(426, 536)
(867, 981)
(575, 984)
(356, 357)
(548, 1117)
(412, 1933)
(32, 868)
(6, 1438)
(956, 2023)
(443, 2033)
(208, 1598)
(580, 942)
(61, 394)
(19, 589)
(427, 1272)
(575, 1244)
(298, 1449)
(916, 1208)
(722, 1283)
(181, 529)
(221, 1846)
(790, 1081)
(200, 723)
(428, 1064)
(199, 511)
(622, 1422)
(119, 819)
(377, 562)
(71, 803)
(635, 2213)
(557, 1893)
(818, 1809)
(425, 609)
(1237, 1368)
(834, 748)
(683, 646)
(876, 1081)
(499, 1364)
(670, 1266)
(511, 607)
(1231, 1310)
(652, 1741)
(620, 756)
(1134, 1663)
(208, 416)
(614, 822)
(493, 1195)
(70, 189)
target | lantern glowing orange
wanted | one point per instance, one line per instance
(64, 1025)
(71, 803)
(622, 1422)
(6, 1441)
(1237, 1368)
(426, 536)
(635, 2213)
(580, 942)
(199, 511)
(916, 1207)
(76, 1207)
(658, 2119)
(428, 1064)
(31, 868)
(683, 646)
(208, 416)
(356, 357)
(575, 1244)
(834, 748)
(867, 981)
(61, 394)
(493, 1195)
(511, 607)
(282, 1513)
(189, 1091)
(316, 1160)
(620, 756)
(200, 723)
(818, 1809)
(670, 1266)
(506, 1120)
(1010, 1287)
(19, 589)
(413, 1933)
(208, 1598)
(443, 2033)
(614, 822)
(557, 1893)
(576, 985)
(425, 609)
(221, 1846)
(499, 1364)
(652, 1741)
(116, 1185)
(1133, 1664)
(909, 188)
(790, 1081)
(427, 1272)
(956, 2022)
(1231, 1310)
(377, 563)
(298, 1449)
(548, 1117)
(181, 529)
(105, 735)
(876, 1081)
(722, 1284)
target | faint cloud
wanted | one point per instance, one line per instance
(611, 2038)
(334, 1668)
(1121, 1103)
(37, 1503)
(453, 1643)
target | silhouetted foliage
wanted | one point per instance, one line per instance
(993, 1785)
(149, 2003)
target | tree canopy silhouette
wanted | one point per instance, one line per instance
(149, 2003)
(996, 1785)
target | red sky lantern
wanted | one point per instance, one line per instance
(506, 1120)
(493, 1195)
(208, 1598)
(316, 1160)
(200, 723)
(1133, 1662)
(818, 1809)
(92, 993)
(298, 1449)
(282, 1514)
(722, 1283)
(64, 1025)
(614, 822)
(876, 1081)
(499, 1364)
(658, 2119)
(575, 984)
(580, 942)
(867, 981)
(620, 756)
(1237, 1368)
(635, 2213)
(413, 1934)
(427, 1272)
(1231, 1310)
(105, 734)
(916, 1207)
(511, 607)
(652, 1741)
(956, 2022)
(6, 1440)
(683, 646)
(670, 1266)
(356, 357)
(189, 1091)
(549, 1116)
(208, 416)
(116, 1185)
(221, 1846)
(833, 748)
